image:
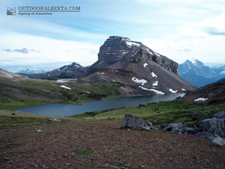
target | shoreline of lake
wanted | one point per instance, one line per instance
(63, 110)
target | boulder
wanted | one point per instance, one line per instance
(205, 135)
(54, 120)
(190, 130)
(176, 128)
(218, 141)
(134, 122)
(220, 115)
(148, 123)
(213, 126)
(161, 126)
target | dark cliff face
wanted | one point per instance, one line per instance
(118, 48)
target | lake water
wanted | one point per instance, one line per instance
(115, 103)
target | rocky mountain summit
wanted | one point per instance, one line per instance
(140, 70)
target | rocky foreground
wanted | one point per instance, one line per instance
(102, 144)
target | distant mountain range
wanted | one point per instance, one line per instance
(33, 71)
(140, 70)
(195, 72)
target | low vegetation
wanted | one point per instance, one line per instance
(30, 92)
(94, 139)
(163, 112)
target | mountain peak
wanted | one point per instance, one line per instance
(122, 49)
(196, 62)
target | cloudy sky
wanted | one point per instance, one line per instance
(177, 29)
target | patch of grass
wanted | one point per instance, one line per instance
(9, 121)
(120, 152)
(10, 145)
(84, 151)
(87, 165)
(170, 112)
(136, 167)
(29, 92)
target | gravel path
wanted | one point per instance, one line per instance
(102, 144)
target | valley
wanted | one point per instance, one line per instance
(95, 139)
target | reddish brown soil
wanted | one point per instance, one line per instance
(102, 144)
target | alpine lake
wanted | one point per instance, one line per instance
(63, 110)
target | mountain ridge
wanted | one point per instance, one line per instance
(140, 70)
(198, 74)
(33, 71)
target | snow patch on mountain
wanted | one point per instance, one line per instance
(132, 43)
(157, 54)
(146, 64)
(153, 90)
(136, 80)
(65, 87)
(172, 91)
(200, 99)
(33, 71)
(155, 84)
(153, 74)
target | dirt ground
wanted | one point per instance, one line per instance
(102, 144)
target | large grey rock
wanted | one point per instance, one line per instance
(148, 123)
(220, 115)
(161, 126)
(190, 130)
(218, 141)
(134, 122)
(213, 126)
(54, 120)
(205, 135)
(175, 128)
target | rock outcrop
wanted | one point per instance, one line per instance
(213, 126)
(134, 123)
(211, 129)
(220, 115)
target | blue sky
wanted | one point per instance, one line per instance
(177, 29)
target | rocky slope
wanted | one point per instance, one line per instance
(101, 144)
(214, 92)
(140, 70)
(6, 74)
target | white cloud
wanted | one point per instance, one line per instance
(51, 50)
(193, 40)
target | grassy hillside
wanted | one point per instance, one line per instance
(16, 93)
(163, 112)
